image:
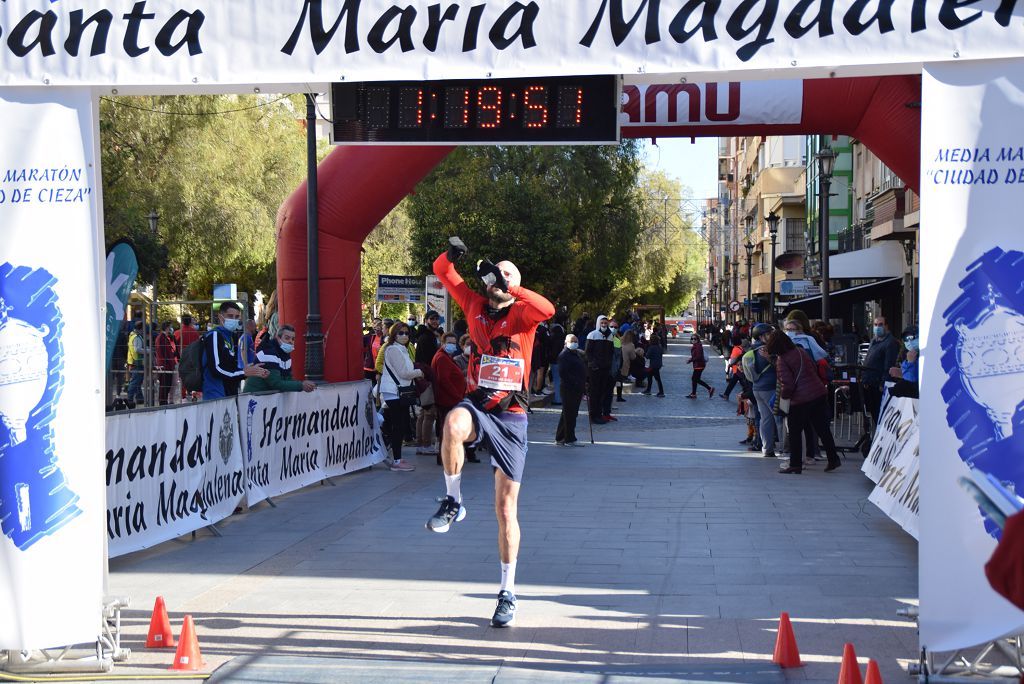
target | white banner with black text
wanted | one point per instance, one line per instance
(893, 464)
(51, 370)
(208, 43)
(295, 439)
(170, 472)
(972, 316)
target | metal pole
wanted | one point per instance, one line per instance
(314, 365)
(774, 232)
(750, 302)
(823, 247)
(152, 393)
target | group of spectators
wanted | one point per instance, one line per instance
(232, 352)
(785, 374)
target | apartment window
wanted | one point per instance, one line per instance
(794, 236)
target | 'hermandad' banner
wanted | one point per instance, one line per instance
(170, 472)
(195, 43)
(51, 370)
(292, 440)
(972, 314)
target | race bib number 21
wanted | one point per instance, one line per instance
(501, 374)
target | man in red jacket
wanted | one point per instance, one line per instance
(502, 327)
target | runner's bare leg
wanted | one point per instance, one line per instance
(506, 507)
(458, 429)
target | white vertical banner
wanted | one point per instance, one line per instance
(51, 370)
(972, 315)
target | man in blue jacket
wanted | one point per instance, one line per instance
(222, 370)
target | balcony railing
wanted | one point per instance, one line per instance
(794, 236)
(855, 238)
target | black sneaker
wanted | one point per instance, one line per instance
(449, 512)
(505, 613)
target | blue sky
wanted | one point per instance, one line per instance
(694, 164)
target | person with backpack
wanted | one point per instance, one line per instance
(803, 390)
(759, 369)
(218, 359)
(275, 356)
(699, 362)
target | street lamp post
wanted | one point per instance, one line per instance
(750, 302)
(773, 231)
(735, 277)
(826, 165)
(150, 363)
(314, 361)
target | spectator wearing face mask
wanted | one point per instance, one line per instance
(397, 372)
(223, 370)
(600, 351)
(906, 373)
(572, 376)
(449, 382)
(882, 354)
(275, 356)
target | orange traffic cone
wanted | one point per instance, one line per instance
(786, 652)
(849, 671)
(187, 656)
(874, 676)
(160, 634)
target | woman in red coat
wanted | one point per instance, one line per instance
(808, 407)
(449, 381)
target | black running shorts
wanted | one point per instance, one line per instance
(504, 434)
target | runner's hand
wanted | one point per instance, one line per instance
(308, 386)
(456, 249)
(491, 275)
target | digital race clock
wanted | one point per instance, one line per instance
(563, 110)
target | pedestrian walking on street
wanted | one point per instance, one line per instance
(572, 372)
(802, 388)
(733, 369)
(655, 356)
(699, 362)
(502, 326)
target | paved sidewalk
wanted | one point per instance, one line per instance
(661, 554)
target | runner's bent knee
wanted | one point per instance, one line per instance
(458, 425)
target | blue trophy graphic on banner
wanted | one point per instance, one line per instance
(35, 500)
(983, 356)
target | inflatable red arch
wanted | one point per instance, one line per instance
(358, 186)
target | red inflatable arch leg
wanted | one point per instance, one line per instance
(358, 186)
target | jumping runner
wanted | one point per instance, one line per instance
(501, 326)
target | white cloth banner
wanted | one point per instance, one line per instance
(897, 429)
(711, 104)
(972, 314)
(894, 466)
(294, 439)
(170, 472)
(51, 370)
(122, 43)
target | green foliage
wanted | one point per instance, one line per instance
(566, 216)
(387, 250)
(215, 180)
(578, 221)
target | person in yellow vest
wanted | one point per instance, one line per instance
(136, 365)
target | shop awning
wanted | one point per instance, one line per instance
(861, 293)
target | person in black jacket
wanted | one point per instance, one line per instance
(556, 343)
(572, 373)
(600, 351)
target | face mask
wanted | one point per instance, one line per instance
(287, 348)
(411, 322)
(913, 345)
(451, 347)
(572, 345)
(879, 331)
(791, 334)
(232, 324)
(468, 350)
(613, 328)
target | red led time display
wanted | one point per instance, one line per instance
(556, 110)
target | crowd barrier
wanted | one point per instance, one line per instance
(893, 463)
(172, 471)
